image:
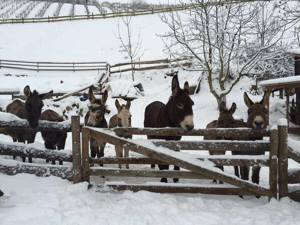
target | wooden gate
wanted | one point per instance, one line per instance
(200, 167)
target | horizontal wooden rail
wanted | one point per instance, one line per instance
(227, 160)
(243, 133)
(23, 150)
(217, 146)
(53, 66)
(64, 172)
(181, 188)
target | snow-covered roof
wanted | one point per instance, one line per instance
(281, 82)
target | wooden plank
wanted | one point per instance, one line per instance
(102, 171)
(71, 93)
(217, 159)
(273, 175)
(295, 155)
(23, 150)
(21, 124)
(76, 149)
(282, 161)
(225, 133)
(179, 159)
(64, 172)
(217, 146)
(294, 176)
(85, 155)
(215, 190)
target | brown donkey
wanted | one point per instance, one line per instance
(225, 120)
(53, 139)
(31, 111)
(95, 117)
(121, 119)
(257, 119)
(178, 112)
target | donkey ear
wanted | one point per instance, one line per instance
(186, 87)
(27, 91)
(46, 95)
(104, 97)
(264, 100)
(91, 96)
(128, 104)
(232, 108)
(175, 85)
(247, 100)
(222, 106)
(117, 104)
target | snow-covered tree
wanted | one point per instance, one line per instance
(219, 37)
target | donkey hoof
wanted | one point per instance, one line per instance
(175, 180)
(164, 180)
(241, 196)
(257, 196)
(152, 166)
(221, 182)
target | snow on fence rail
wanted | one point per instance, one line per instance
(156, 151)
(150, 65)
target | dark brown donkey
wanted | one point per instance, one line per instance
(31, 111)
(95, 118)
(257, 119)
(225, 120)
(53, 139)
(178, 112)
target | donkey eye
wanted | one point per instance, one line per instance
(180, 105)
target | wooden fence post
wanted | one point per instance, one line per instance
(283, 158)
(273, 179)
(85, 155)
(76, 149)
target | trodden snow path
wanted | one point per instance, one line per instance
(46, 201)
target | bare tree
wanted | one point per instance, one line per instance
(219, 38)
(131, 45)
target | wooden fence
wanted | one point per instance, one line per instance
(149, 65)
(180, 7)
(157, 152)
(53, 66)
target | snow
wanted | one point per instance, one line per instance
(282, 122)
(50, 200)
(54, 201)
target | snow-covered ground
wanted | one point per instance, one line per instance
(32, 200)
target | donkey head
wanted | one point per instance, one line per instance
(97, 108)
(124, 116)
(226, 115)
(257, 112)
(179, 107)
(34, 105)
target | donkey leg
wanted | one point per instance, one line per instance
(100, 152)
(30, 139)
(119, 153)
(255, 174)
(175, 180)
(244, 172)
(126, 155)
(163, 167)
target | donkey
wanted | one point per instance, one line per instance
(225, 120)
(178, 112)
(95, 118)
(31, 111)
(121, 119)
(257, 119)
(53, 139)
